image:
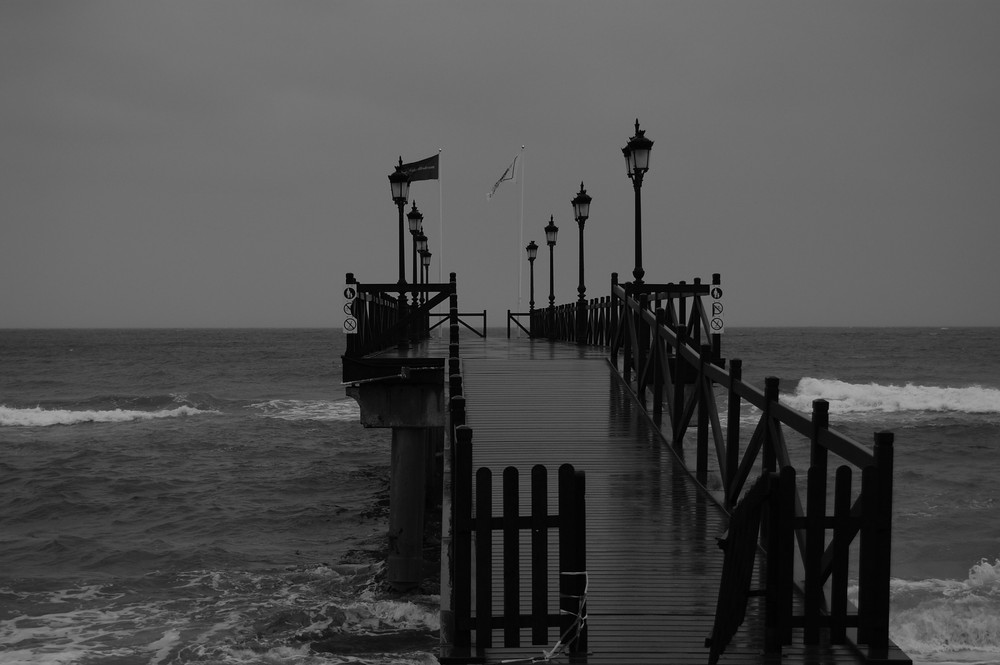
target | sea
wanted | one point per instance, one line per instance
(210, 496)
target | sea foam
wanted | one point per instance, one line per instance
(847, 397)
(39, 417)
(949, 619)
(290, 409)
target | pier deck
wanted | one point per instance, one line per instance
(653, 563)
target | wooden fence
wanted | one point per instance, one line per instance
(658, 339)
(477, 527)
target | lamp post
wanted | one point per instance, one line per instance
(581, 211)
(636, 153)
(421, 243)
(551, 231)
(399, 183)
(532, 250)
(416, 223)
(425, 261)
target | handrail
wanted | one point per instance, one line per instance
(447, 317)
(659, 341)
(515, 318)
(385, 321)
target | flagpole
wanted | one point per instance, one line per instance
(520, 242)
(440, 218)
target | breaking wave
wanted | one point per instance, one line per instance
(42, 417)
(847, 397)
(949, 620)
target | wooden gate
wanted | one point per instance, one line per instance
(474, 548)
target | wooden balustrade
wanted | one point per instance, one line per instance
(659, 340)
(385, 321)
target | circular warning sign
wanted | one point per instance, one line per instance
(350, 324)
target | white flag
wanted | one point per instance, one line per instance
(507, 175)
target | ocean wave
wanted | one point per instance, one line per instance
(291, 409)
(949, 619)
(320, 614)
(847, 397)
(41, 417)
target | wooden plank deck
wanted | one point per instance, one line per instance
(653, 562)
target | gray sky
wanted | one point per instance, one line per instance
(224, 163)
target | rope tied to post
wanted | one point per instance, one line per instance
(571, 633)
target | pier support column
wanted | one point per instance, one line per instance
(407, 500)
(406, 395)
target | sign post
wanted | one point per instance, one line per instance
(350, 321)
(716, 322)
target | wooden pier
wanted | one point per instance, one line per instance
(646, 581)
(652, 562)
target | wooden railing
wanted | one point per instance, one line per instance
(586, 325)
(385, 321)
(462, 316)
(660, 342)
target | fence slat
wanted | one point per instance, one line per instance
(539, 555)
(511, 559)
(841, 543)
(484, 558)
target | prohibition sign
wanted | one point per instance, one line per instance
(350, 324)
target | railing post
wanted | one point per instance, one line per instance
(682, 306)
(877, 546)
(572, 554)
(457, 411)
(716, 337)
(816, 517)
(613, 311)
(770, 396)
(660, 358)
(680, 376)
(628, 326)
(786, 543)
(462, 521)
(703, 387)
(733, 429)
(694, 325)
(642, 330)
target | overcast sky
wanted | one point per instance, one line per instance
(223, 163)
